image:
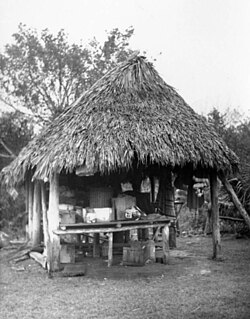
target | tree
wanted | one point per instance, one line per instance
(238, 138)
(45, 74)
(236, 134)
(15, 132)
(217, 119)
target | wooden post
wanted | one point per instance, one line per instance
(30, 187)
(165, 244)
(96, 245)
(235, 200)
(166, 200)
(47, 249)
(26, 195)
(36, 237)
(53, 222)
(152, 186)
(215, 214)
(110, 250)
(27, 208)
(208, 220)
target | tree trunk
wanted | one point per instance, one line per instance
(215, 215)
(36, 237)
(235, 200)
(53, 222)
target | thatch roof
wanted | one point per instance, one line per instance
(130, 112)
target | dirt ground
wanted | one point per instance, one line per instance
(191, 286)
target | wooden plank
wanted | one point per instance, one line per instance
(117, 223)
(110, 250)
(232, 218)
(103, 230)
(41, 259)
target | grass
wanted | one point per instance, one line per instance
(194, 286)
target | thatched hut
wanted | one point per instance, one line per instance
(129, 123)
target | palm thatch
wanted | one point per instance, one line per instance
(129, 113)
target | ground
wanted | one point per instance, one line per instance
(191, 286)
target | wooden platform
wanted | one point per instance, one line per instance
(110, 228)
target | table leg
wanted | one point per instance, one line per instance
(110, 250)
(96, 245)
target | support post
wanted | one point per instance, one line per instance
(215, 215)
(165, 200)
(27, 208)
(36, 237)
(96, 245)
(110, 250)
(53, 221)
(235, 200)
(152, 186)
(47, 249)
(30, 187)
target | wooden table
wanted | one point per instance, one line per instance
(110, 228)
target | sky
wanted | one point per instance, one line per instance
(201, 47)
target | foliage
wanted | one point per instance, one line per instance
(237, 137)
(45, 73)
(15, 132)
(217, 120)
(105, 57)
(12, 212)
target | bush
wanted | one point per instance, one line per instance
(13, 217)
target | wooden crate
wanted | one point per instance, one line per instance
(67, 216)
(121, 203)
(133, 256)
(67, 254)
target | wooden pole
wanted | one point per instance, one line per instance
(30, 207)
(53, 222)
(36, 238)
(110, 250)
(27, 208)
(47, 249)
(235, 199)
(165, 244)
(215, 214)
(96, 245)
(152, 185)
(26, 195)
